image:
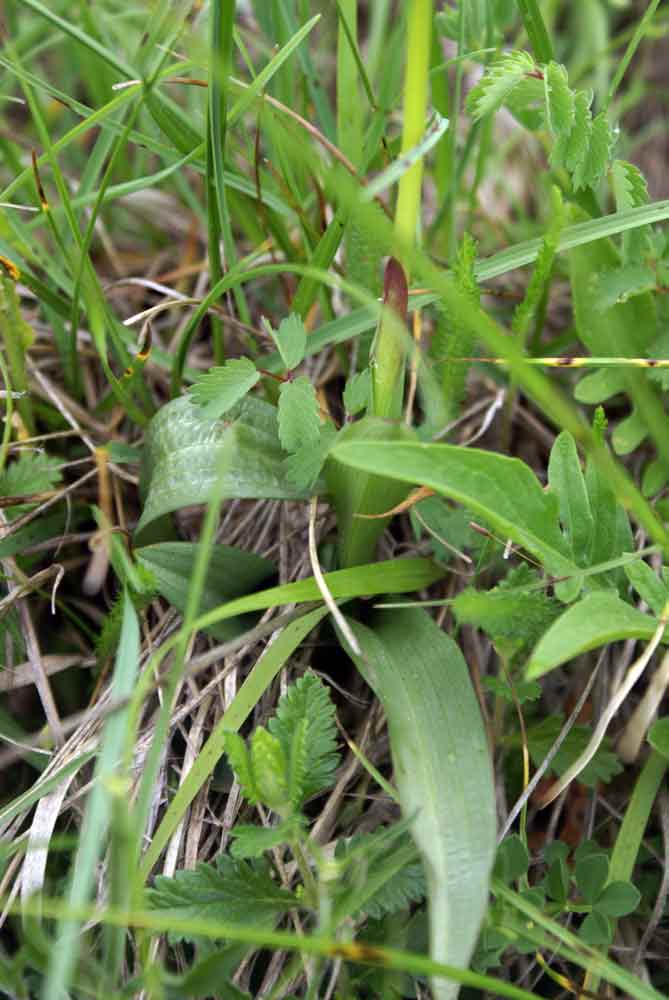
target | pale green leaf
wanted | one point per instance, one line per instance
(596, 620)
(571, 148)
(622, 284)
(591, 170)
(240, 761)
(185, 453)
(559, 99)
(498, 81)
(648, 585)
(304, 467)
(299, 415)
(357, 392)
(290, 339)
(566, 479)
(440, 755)
(270, 770)
(308, 701)
(219, 389)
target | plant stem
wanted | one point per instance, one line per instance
(14, 333)
(388, 369)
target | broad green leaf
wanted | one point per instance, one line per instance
(299, 415)
(566, 480)
(290, 339)
(219, 389)
(442, 770)
(231, 573)
(596, 930)
(233, 891)
(184, 452)
(512, 859)
(594, 621)
(502, 491)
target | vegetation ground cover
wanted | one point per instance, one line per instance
(333, 499)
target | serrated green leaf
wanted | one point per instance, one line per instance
(498, 81)
(233, 892)
(240, 761)
(219, 389)
(591, 169)
(304, 467)
(253, 841)
(618, 899)
(591, 874)
(542, 737)
(622, 284)
(630, 189)
(571, 148)
(519, 694)
(270, 771)
(305, 726)
(31, 472)
(290, 339)
(596, 620)
(357, 392)
(559, 99)
(385, 872)
(299, 415)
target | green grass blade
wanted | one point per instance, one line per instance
(91, 841)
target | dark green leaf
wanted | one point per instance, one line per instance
(566, 479)
(232, 892)
(618, 899)
(591, 874)
(231, 573)
(658, 736)
(596, 930)
(557, 881)
(512, 860)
